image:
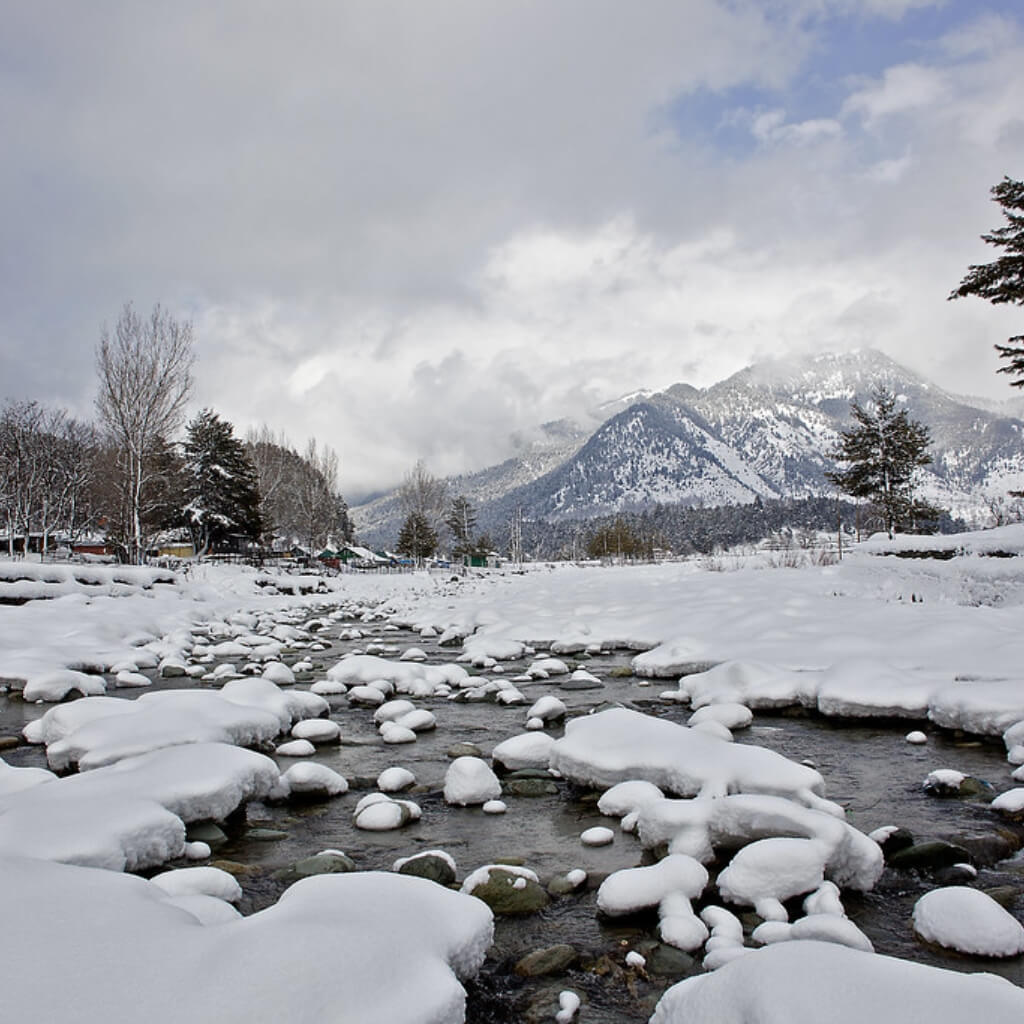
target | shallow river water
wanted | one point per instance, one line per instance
(871, 770)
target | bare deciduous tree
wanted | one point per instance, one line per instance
(46, 466)
(300, 499)
(424, 494)
(21, 467)
(145, 378)
(271, 457)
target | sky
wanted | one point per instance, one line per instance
(420, 230)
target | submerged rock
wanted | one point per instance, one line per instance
(551, 960)
(530, 787)
(464, 750)
(328, 862)
(435, 865)
(929, 856)
(266, 835)
(206, 832)
(506, 889)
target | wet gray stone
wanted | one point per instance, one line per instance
(929, 856)
(550, 960)
(206, 832)
(326, 863)
(430, 866)
(503, 896)
(464, 750)
(266, 835)
(530, 787)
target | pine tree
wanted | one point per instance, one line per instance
(221, 490)
(882, 455)
(461, 520)
(417, 538)
(1002, 280)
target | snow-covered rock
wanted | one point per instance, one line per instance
(469, 780)
(618, 745)
(804, 982)
(377, 925)
(309, 779)
(316, 730)
(394, 780)
(968, 921)
(527, 750)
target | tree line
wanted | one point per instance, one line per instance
(130, 476)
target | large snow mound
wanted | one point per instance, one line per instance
(804, 982)
(132, 814)
(96, 731)
(969, 921)
(365, 946)
(413, 678)
(618, 745)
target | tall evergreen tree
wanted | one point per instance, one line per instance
(1002, 280)
(461, 521)
(417, 538)
(882, 455)
(221, 490)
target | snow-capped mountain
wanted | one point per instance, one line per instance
(765, 431)
(553, 444)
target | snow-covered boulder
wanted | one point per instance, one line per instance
(799, 983)
(378, 926)
(730, 715)
(547, 709)
(206, 881)
(316, 730)
(987, 709)
(701, 826)
(14, 778)
(755, 684)
(968, 921)
(469, 780)
(527, 750)
(394, 780)
(309, 779)
(132, 814)
(617, 745)
(869, 688)
(768, 871)
(57, 684)
(818, 927)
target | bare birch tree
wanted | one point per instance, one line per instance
(424, 494)
(145, 378)
(21, 467)
(299, 494)
(46, 462)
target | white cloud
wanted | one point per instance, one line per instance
(419, 229)
(771, 127)
(901, 90)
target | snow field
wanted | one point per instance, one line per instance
(801, 635)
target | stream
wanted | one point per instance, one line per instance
(869, 768)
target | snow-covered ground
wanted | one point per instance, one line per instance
(873, 636)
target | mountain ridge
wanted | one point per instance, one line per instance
(765, 432)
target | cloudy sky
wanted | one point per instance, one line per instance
(415, 229)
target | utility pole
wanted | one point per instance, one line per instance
(516, 537)
(839, 528)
